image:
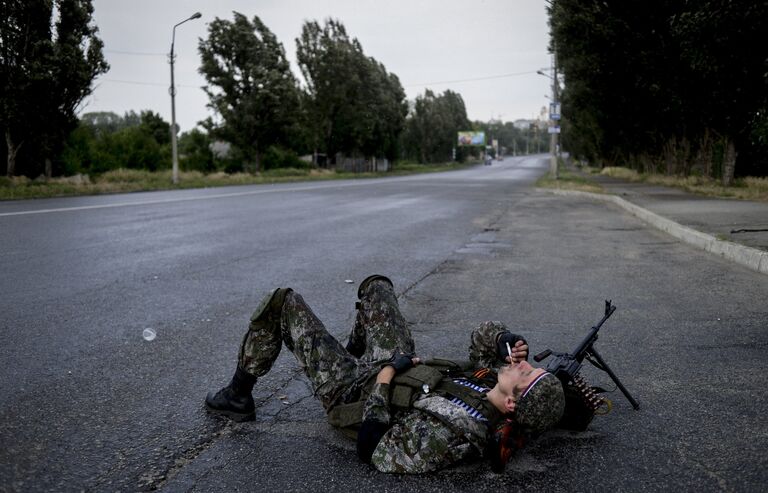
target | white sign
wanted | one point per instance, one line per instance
(554, 130)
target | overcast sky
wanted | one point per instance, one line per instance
(436, 44)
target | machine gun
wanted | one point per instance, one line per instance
(582, 401)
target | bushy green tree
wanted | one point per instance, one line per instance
(665, 88)
(511, 138)
(106, 141)
(102, 122)
(725, 60)
(277, 157)
(47, 74)
(354, 105)
(250, 85)
(154, 125)
(131, 148)
(433, 125)
(195, 151)
(78, 153)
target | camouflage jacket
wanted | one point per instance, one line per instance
(434, 433)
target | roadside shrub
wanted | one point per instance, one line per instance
(195, 151)
(286, 172)
(123, 175)
(128, 148)
(758, 184)
(622, 173)
(77, 155)
(276, 157)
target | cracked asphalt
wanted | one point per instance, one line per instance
(87, 404)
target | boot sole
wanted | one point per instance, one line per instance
(370, 279)
(265, 306)
(234, 416)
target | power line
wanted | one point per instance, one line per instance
(139, 83)
(490, 77)
(137, 53)
(503, 76)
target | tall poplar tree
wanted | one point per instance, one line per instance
(250, 86)
(354, 105)
(46, 74)
(433, 125)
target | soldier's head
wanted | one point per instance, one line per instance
(534, 396)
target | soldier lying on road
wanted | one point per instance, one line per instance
(408, 416)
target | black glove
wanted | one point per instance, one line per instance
(501, 344)
(400, 361)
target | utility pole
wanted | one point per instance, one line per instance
(172, 90)
(528, 139)
(554, 117)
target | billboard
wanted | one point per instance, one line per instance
(471, 138)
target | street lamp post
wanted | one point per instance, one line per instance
(172, 90)
(552, 113)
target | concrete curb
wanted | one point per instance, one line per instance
(751, 258)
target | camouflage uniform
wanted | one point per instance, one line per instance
(431, 435)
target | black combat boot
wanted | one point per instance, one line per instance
(235, 400)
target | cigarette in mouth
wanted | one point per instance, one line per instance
(509, 350)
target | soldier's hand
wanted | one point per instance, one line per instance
(401, 361)
(519, 352)
(516, 344)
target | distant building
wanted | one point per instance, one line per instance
(524, 124)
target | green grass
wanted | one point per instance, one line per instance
(129, 180)
(568, 180)
(748, 188)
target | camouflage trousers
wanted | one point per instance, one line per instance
(337, 375)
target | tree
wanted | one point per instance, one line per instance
(46, 75)
(510, 138)
(102, 122)
(250, 86)
(130, 148)
(26, 54)
(195, 150)
(104, 141)
(722, 45)
(667, 88)
(353, 104)
(381, 111)
(154, 125)
(433, 125)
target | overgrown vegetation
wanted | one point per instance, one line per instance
(569, 180)
(679, 88)
(747, 188)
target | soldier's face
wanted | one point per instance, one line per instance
(515, 378)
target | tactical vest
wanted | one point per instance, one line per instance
(435, 377)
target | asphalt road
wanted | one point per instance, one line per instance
(87, 404)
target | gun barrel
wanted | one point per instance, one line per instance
(581, 350)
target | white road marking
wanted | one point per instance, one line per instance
(186, 199)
